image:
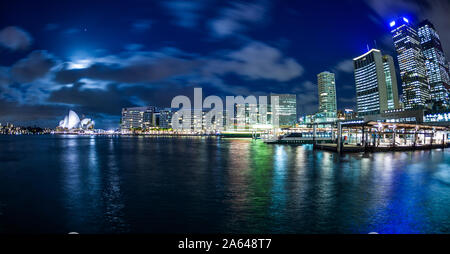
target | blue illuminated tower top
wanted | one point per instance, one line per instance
(411, 62)
(399, 22)
(437, 69)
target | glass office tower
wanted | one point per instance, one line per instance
(326, 84)
(370, 80)
(435, 63)
(412, 64)
(391, 82)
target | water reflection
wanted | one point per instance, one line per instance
(238, 192)
(145, 185)
(112, 195)
(71, 165)
(91, 185)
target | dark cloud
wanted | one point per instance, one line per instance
(90, 101)
(36, 65)
(4, 76)
(145, 70)
(15, 38)
(11, 111)
(344, 66)
(160, 94)
(257, 61)
(134, 47)
(187, 13)
(235, 18)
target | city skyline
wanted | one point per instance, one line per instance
(82, 69)
(213, 125)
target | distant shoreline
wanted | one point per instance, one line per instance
(228, 135)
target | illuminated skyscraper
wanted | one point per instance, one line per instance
(412, 64)
(435, 63)
(376, 83)
(327, 95)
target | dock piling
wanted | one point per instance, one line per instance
(339, 138)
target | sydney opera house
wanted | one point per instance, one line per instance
(72, 122)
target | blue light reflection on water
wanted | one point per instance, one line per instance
(58, 184)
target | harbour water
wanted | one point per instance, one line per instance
(101, 184)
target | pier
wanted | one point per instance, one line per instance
(375, 136)
(371, 136)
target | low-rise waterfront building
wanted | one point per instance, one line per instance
(138, 118)
(165, 118)
(346, 114)
(437, 118)
(412, 116)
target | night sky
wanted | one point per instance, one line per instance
(95, 57)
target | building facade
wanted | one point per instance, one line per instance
(412, 64)
(435, 63)
(138, 118)
(286, 109)
(370, 80)
(346, 114)
(327, 95)
(165, 118)
(391, 83)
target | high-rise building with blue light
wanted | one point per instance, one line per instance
(435, 63)
(411, 61)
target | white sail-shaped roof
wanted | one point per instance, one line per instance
(73, 120)
(65, 122)
(85, 121)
